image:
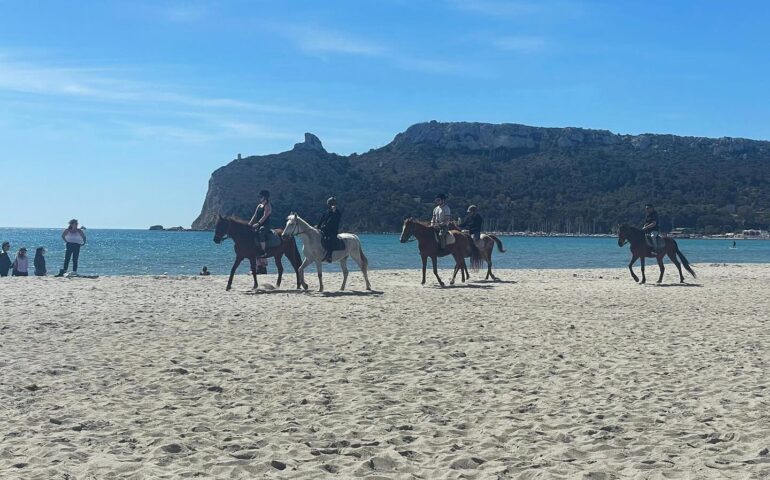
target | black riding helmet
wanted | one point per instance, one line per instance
(264, 193)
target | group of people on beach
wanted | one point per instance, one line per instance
(73, 236)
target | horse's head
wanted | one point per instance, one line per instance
(292, 226)
(407, 230)
(220, 231)
(622, 234)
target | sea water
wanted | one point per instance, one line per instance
(144, 252)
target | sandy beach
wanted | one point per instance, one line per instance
(550, 374)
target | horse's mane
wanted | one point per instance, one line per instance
(420, 222)
(239, 220)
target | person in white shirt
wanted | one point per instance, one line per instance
(75, 238)
(442, 215)
(21, 264)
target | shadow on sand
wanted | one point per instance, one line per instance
(460, 285)
(352, 293)
(677, 284)
(492, 282)
(260, 291)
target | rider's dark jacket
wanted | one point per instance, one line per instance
(472, 222)
(651, 217)
(330, 223)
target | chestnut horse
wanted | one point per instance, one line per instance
(486, 245)
(428, 246)
(244, 237)
(640, 250)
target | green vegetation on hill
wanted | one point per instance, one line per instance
(521, 178)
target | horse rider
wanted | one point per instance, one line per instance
(261, 223)
(441, 218)
(472, 222)
(651, 228)
(329, 225)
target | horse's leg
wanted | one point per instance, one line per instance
(357, 254)
(253, 262)
(238, 261)
(279, 266)
(319, 266)
(631, 267)
(424, 265)
(672, 256)
(660, 265)
(489, 264)
(641, 263)
(344, 268)
(434, 259)
(301, 272)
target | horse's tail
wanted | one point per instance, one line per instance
(498, 242)
(364, 260)
(684, 260)
(476, 256)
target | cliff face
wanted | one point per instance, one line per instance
(521, 177)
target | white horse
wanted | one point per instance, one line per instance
(315, 252)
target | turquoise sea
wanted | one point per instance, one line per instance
(143, 252)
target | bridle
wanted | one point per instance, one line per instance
(295, 228)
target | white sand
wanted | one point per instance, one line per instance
(560, 374)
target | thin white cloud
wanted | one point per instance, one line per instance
(184, 13)
(498, 8)
(522, 44)
(319, 42)
(104, 85)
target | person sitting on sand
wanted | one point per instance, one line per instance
(651, 228)
(21, 263)
(472, 222)
(74, 238)
(5, 260)
(440, 219)
(261, 223)
(40, 270)
(329, 225)
(205, 271)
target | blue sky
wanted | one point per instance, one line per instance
(117, 112)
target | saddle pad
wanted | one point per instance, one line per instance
(450, 238)
(273, 240)
(339, 244)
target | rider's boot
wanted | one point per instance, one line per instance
(262, 250)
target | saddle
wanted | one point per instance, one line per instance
(337, 244)
(450, 238)
(655, 241)
(272, 239)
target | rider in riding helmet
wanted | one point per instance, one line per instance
(261, 223)
(651, 228)
(329, 225)
(472, 222)
(441, 218)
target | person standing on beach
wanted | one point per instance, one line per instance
(21, 263)
(442, 215)
(261, 223)
(74, 238)
(40, 270)
(5, 260)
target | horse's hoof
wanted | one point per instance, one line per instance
(227, 289)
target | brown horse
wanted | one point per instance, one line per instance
(640, 250)
(429, 248)
(244, 237)
(486, 245)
